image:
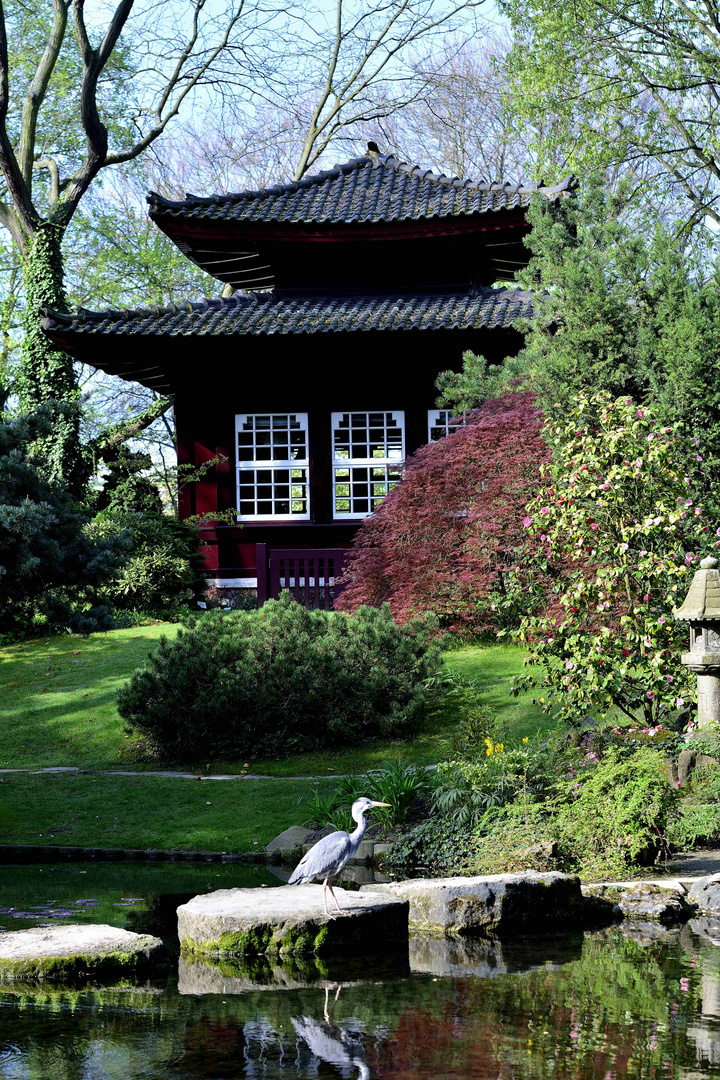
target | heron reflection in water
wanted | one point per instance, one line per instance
(330, 1042)
(326, 859)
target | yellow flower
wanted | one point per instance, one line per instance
(525, 741)
(499, 748)
(488, 752)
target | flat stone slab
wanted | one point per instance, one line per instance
(290, 921)
(497, 904)
(641, 900)
(76, 952)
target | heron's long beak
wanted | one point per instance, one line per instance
(380, 804)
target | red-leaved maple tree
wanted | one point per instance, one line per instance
(450, 538)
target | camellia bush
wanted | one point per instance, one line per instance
(449, 538)
(280, 680)
(617, 508)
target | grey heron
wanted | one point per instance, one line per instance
(327, 858)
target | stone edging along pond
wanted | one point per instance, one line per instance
(34, 853)
(287, 848)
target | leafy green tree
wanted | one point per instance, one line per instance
(625, 83)
(618, 511)
(613, 312)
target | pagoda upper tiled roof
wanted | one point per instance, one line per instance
(371, 188)
(268, 313)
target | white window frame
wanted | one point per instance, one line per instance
(272, 465)
(389, 462)
(439, 419)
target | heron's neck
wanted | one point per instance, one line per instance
(357, 835)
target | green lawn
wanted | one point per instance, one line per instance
(148, 811)
(58, 708)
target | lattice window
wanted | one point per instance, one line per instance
(442, 422)
(368, 450)
(273, 469)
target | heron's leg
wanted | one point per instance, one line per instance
(325, 885)
(334, 896)
(325, 1010)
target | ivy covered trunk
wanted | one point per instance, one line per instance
(47, 375)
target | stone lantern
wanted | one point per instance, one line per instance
(702, 610)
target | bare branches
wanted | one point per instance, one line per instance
(180, 84)
(370, 50)
(51, 165)
(94, 61)
(38, 88)
(22, 222)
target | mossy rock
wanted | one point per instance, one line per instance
(75, 953)
(497, 904)
(289, 922)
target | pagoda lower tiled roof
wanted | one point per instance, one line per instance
(372, 188)
(268, 313)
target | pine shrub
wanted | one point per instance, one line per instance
(280, 680)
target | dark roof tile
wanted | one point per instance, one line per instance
(365, 189)
(267, 313)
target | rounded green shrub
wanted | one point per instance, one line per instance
(280, 680)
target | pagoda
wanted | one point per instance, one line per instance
(310, 384)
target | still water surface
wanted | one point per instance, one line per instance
(598, 1006)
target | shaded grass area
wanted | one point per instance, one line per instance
(83, 810)
(58, 708)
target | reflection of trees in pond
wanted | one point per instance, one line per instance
(621, 1009)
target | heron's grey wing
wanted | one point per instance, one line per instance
(328, 856)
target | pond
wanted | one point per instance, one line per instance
(598, 1006)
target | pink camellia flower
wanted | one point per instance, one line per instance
(661, 620)
(688, 502)
(528, 521)
(679, 702)
(651, 694)
(698, 511)
(594, 525)
(699, 457)
(544, 509)
(669, 678)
